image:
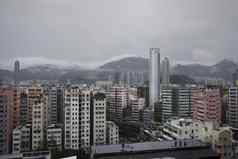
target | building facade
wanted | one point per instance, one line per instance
(85, 118)
(176, 101)
(98, 118)
(6, 119)
(206, 104)
(232, 112)
(112, 133)
(21, 139)
(165, 71)
(54, 137)
(55, 109)
(154, 74)
(118, 100)
(38, 126)
(137, 106)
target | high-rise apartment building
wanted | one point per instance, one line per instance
(232, 112)
(118, 100)
(184, 99)
(33, 92)
(165, 71)
(206, 104)
(154, 74)
(16, 107)
(176, 101)
(6, 119)
(73, 127)
(9, 116)
(38, 124)
(55, 109)
(98, 118)
(85, 118)
(23, 107)
(169, 103)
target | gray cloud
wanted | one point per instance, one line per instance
(91, 32)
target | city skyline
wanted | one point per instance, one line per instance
(118, 79)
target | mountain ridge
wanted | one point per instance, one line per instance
(222, 69)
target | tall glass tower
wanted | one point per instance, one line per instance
(154, 73)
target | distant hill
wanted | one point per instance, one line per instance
(181, 79)
(41, 72)
(127, 64)
(222, 69)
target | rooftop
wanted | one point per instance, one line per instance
(147, 146)
(176, 149)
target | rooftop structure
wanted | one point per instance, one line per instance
(181, 149)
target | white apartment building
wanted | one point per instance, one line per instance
(112, 133)
(77, 118)
(186, 129)
(99, 118)
(38, 124)
(85, 117)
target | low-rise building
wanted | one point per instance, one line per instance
(54, 137)
(208, 132)
(21, 139)
(137, 105)
(112, 133)
(28, 155)
(184, 149)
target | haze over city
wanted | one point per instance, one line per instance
(89, 33)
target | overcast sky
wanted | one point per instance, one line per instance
(90, 32)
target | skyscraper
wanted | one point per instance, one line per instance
(154, 69)
(165, 71)
(17, 66)
(16, 71)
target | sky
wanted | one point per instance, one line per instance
(92, 32)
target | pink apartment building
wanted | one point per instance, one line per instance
(206, 104)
